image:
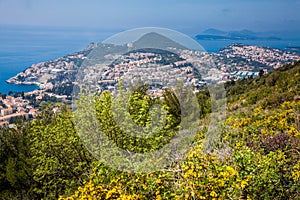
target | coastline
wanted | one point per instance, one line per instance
(49, 69)
(12, 81)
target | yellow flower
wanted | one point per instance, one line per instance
(257, 110)
(231, 170)
(244, 184)
(221, 183)
(187, 196)
(144, 187)
(110, 193)
(264, 131)
(296, 172)
(157, 192)
(213, 194)
(158, 181)
(185, 167)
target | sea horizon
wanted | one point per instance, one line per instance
(22, 46)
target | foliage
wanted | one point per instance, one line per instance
(42, 159)
(15, 166)
(138, 114)
(257, 156)
(61, 159)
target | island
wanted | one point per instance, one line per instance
(215, 34)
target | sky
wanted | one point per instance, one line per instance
(186, 15)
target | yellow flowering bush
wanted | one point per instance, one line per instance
(257, 156)
(245, 172)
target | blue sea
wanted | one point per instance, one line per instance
(22, 46)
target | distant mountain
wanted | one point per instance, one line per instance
(215, 34)
(213, 31)
(157, 41)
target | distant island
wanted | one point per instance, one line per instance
(293, 49)
(215, 34)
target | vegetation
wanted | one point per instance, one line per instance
(257, 156)
(43, 158)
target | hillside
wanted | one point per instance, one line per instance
(256, 157)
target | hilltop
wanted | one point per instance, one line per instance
(157, 41)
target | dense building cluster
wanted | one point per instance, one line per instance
(158, 68)
(12, 108)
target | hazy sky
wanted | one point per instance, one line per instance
(189, 15)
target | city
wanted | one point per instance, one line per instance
(159, 69)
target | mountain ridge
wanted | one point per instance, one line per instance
(244, 34)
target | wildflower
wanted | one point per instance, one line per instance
(244, 184)
(213, 194)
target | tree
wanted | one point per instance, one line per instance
(261, 72)
(61, 160)
(15, 167)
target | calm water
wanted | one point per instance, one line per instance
(20, 47)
